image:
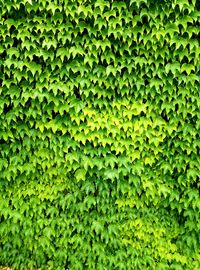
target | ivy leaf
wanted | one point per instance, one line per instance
(111, 174)
(62, 52)
(174, 67)
(188, 68)
(80, 175)
(97, 227)
(13, 51)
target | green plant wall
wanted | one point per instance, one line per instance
(100, 134)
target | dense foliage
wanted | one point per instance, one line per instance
(100, 124)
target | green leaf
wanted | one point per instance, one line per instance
(174, 67)
(97, 227)
(188, 68)
(80, 175)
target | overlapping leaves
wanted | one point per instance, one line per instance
(99, 135)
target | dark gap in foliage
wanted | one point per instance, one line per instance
(186, 12)
(3, 55)
(192, 119)
(196, 184)
(77, 93)
(144, 6)
(124, 70)
(146, 82)
(85, 32)
(12, 29)
(54, 114)
(41, 39)
(176, 11)
(8, 107)
(114, 50)
(145, 20)
(142, 114)
(164, 115)
(185, 35)
(28, 103)
(176, 107)
(172, 16)
(180, 218)
(117, 92)
(144, 100)
(16, 42)
(180, 26)
(37, 59)
(139, 24)
(197, 6)
(106, 9)
(175, 83)
(2, 141)
(134, 11)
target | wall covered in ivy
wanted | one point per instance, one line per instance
(100, 134)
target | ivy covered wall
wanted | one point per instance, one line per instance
(99, 134)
